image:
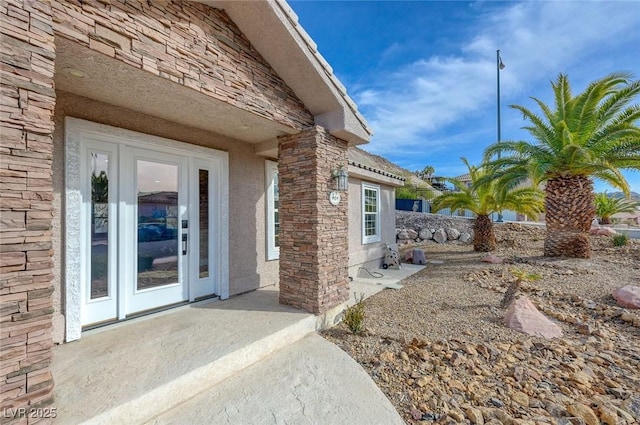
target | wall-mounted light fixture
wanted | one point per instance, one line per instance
(341, 177)
(342, 184)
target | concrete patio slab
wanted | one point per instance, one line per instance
(131, 372)
(124, 374)
(370, 282)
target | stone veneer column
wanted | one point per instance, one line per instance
(313, 233)
(26, 192)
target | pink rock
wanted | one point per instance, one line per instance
(523, 316)
(492, 259)
(603, 231)
(628, 296)
(408, 257)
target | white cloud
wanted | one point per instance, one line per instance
(413, 106)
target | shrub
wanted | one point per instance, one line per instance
(521, 276)
(620, 240)
(354, 315)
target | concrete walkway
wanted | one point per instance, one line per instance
(247, 360)
(311, 382)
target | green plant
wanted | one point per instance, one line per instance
(354, 315)
(521, 275)
(620, 240)
(594, 134)
(485, 196)
(607, 206)
(405, 192)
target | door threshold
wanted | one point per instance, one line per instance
(145, 315)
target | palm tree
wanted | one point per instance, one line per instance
(425, 173)
(483, 197)
(607, 206)
(591, 135)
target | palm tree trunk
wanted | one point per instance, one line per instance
(570, 209)
(484, 238)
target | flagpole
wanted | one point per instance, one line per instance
(499, 66)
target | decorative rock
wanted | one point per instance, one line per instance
(626, 416)
(632, 405)
(571, 421)
(521, 398)
(607, 415)
(628, 296)
(603, 231)
(492, 259)
(475, 416)
(452, 234)
(523, 316)
(465, 237)
(415, 414)
(555, 410)
(440, 236)
(425, 234)
(584, 412)
(387, 356)
(407, 234)
(408, 257)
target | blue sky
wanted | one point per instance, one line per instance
(423, 73)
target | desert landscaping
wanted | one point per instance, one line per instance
(440, 351)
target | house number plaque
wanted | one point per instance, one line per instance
(334, 198)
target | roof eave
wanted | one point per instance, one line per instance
(273, 29)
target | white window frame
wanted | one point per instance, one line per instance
(375, 237)
(271, 176)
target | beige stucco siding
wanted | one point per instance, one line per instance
(369, 255)
(247, 269)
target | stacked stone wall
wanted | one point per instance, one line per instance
(27, 102)
(313, 232)
(188, 43)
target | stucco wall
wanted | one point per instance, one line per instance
(247, 269)
(369, 255)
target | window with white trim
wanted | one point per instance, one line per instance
(370, 213)
(273, 216)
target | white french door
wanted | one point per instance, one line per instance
(154, 230)
(152, 223)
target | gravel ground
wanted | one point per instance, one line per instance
(439, 350)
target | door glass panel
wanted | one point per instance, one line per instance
(276, 211)
(158, 231)
(203, 176)
(99, 225)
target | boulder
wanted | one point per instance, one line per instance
(403, 235)
(453, 234)
(603, 231)
(628, 296)
(440, 236)
(465, 237)
(425, 234)
(523, 316)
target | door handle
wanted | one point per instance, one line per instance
(184, 244)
